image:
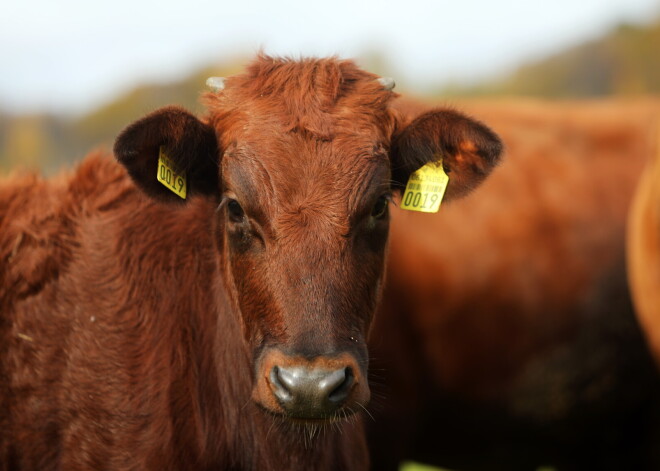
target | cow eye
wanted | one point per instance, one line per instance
(235, 212)
(380, 208)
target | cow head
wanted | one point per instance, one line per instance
(303, 159)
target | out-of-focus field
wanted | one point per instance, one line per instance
(623, 63)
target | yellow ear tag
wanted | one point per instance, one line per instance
(425, 188)
(169, 176)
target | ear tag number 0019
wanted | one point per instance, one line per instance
(425, 189)
(169, 176)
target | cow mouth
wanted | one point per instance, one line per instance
(344, 414)
(308, 430)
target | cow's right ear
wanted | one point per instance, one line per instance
(189, 143)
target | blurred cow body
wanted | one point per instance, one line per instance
(644, 251)
(507, 338)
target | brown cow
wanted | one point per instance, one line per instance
(226, 331)
(644, 251)
(507, 339)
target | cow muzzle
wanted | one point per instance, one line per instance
(324, 387)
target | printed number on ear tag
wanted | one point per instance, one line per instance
(425, 188)
(169, 176)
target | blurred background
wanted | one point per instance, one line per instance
(75, 72)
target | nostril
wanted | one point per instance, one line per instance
(311, 392)
(344, 385)
(279, 384)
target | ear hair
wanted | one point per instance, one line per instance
(191, 144)
(469, 150)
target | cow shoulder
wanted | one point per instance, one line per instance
(40, 219)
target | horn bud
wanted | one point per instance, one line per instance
(387, 83)
(216, 84)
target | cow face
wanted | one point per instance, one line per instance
(303, 159)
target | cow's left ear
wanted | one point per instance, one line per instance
(469, 150)
(189, 144)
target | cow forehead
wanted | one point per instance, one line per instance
(293, 173)
(319, 97)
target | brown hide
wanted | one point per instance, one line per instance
(506, 339)
(141, 331)
(644, 250)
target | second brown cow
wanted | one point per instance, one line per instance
(507, 338)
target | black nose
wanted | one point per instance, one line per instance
(311, 392)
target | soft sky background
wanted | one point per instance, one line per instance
(72, 55)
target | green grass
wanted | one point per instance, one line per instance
(412, 466)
